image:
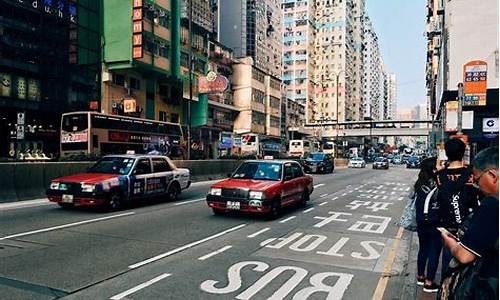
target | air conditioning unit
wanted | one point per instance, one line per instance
(106, 76)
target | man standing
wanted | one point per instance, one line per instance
(480, 240)
(456, 195)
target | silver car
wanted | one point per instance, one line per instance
(356, 162)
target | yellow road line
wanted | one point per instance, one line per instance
(384, 278)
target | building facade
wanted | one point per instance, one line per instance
(372, 73)
(453, 57)
(358, 102)
(49, 64)
(253, 28)
(392, 102)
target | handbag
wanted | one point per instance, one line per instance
(408, 219)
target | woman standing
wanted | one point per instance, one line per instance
(427, 221)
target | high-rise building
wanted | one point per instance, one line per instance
(253, 28)
(333, 56)
(391, 96)
(372, 72)
(358, 64)
(298, 37)
(203, 14)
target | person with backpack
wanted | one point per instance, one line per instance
(427, 216)
(456, 195)
(477, 246)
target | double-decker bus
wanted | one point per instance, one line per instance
(92, 132)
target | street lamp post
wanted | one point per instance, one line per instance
(190, 72)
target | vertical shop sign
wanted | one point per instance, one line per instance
(21, 87)
(137, 27)
(5, 85)
(475, 83)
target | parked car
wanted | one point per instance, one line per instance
(396, 160)
(261, 186)
(119, 179)
(381, 163)
(318, 162)
(356, 162)
(413, 162)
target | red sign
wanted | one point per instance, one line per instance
(137, 39)
(137, 14)
(212, 83)
(137, 29)
(137, 3)
(475, 83)
(93, 105)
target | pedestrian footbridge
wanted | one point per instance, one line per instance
(374, 128)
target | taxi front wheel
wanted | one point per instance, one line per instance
(114, 201)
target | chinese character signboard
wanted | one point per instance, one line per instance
(5, 85)
(137, 51)
(475, 83)
(212, 83)
(451, 116)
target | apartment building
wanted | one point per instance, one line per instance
(391, 95)
(358, 64)
(253, 28)
(203, 14)
(372, 78)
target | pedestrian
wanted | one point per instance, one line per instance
(456, 195)
(478, 246)
(427, 216)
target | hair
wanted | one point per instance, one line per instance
(455, 149)
(427, 167)
(486, 159)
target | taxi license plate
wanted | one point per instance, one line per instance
(233, 205)
(67, 198)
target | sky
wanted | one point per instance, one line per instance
(400, 26)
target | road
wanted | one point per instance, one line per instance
(344, 245)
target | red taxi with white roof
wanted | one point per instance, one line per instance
(261, 186)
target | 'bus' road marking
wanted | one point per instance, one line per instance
(318, 185)
(258, 232)
(215, 252)
(182, 248)
(65, 226)
(323, 196)
(287, 219)
(308, 210)
(323, 203)
(189, 201)
(139, 287)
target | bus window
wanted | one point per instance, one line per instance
(76, 122)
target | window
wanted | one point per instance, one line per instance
(160, 165)
(143, 167)
(297, 171)
(162, 116)
(288, 171)
(118, 79)
(174, 118)
(135, 83)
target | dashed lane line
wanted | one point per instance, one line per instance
(323, 203)
(215, 252)
(323, 196)
(335, 198)
(189, 201)
(258, 232)
(318, 185)
(287, 219)
(187, 246)
(139, 287)
(308, 210)
(65, 226)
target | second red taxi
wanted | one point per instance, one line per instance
(261, 187)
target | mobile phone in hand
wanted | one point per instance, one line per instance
(445, 231)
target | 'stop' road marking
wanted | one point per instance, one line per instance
(318, 185)
(139, 287)
(65, 226)
(287, 219)
(215, 252)
(189, 201)
(182, 248)
(258, 232)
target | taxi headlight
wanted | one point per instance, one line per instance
(88, 188)
(54, 185)
(255, 195)
(215, 191)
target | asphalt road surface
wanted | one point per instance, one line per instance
(345, 244)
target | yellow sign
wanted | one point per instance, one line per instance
(475, 83)
(129, 105)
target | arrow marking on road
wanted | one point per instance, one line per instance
(287, 219)
(65, 226)
(258, 232)
(182, 248)
(215, 252)
(139, 287)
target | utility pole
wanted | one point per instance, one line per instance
(190, 72)
(460, 99)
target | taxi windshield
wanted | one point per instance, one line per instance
(113, 165)
(258, 171)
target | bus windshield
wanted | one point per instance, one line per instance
(113, 165)
(74, 122)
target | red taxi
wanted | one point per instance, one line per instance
(261, 187)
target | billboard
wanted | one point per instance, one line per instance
(212, 83)
(475, 83)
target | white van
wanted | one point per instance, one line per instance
(298, 148)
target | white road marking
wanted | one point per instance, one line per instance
(335, 198)
(323, 203)
(189, 201)
(287, 219)
(182, 248)
(308, 210)
(28, 203)
(344, 194)
(323, 196)
(318, 185)
(215, 252)
(65, 226)
(139, 287)
(258, 232)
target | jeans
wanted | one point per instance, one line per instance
(430, 246)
